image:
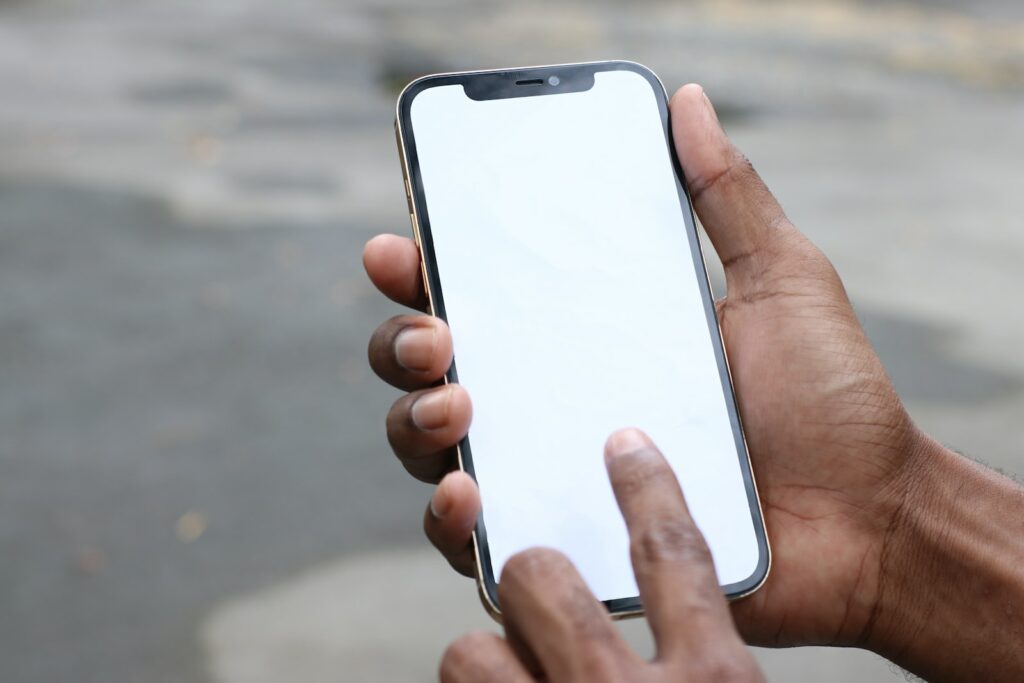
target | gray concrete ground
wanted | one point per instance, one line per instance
(194, 481)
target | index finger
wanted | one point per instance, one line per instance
(672, 563)
(393, 264)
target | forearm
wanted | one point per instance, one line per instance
(951, 598)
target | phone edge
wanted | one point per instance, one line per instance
(748, 587)
(489, 603)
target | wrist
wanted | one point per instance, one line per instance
(951, 584)
(918, 507)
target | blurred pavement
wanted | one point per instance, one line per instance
(194, 480)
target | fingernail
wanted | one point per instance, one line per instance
(440, 503)
(414, 347)
(626, 441)
(430, 411)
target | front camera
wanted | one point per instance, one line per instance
(554, 80)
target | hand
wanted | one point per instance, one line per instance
(557, 631)
(833, 449)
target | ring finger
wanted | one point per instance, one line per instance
(424, 427)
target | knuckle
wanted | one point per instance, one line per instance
(671, 539)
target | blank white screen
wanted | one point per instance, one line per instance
(575, 310)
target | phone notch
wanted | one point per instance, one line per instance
(541, 81)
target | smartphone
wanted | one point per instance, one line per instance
(558, 243)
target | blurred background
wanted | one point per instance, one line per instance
(194, 481)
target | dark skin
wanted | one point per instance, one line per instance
(555, 626)
(871, 543)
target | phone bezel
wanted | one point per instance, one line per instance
(501, 83)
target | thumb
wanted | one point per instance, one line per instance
(739, 213)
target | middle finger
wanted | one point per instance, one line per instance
(411, 351)
(545, 602)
